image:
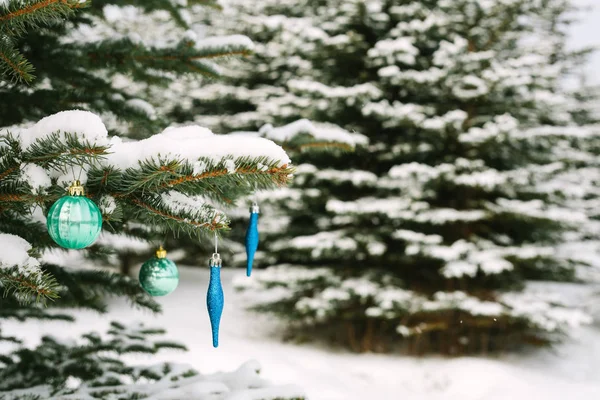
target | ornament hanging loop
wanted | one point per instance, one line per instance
(215, 260)
(76, 189)
(161, 253)
(254, 209)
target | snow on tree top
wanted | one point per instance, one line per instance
(88, 126)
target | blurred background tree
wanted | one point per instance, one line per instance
(429, 238)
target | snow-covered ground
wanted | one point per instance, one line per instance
(570, 371)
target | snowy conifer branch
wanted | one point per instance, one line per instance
(19, 16)
(259, 173)
(303, 134)
(136, 57)
(90, 288)
(20, 274)
(13, 64)
(39, 287)
(93, 362)
(59, 151)
(83, 361)
(205, 68)
(192, 222)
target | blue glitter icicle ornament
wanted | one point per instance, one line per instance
(214, 297)
(252, 238)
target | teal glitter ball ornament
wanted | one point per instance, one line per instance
(159, 275)
(74, 221)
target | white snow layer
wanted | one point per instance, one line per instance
(230, 41)
(319, 131)
(184, 143)
(36, 176)
(191, 143)
(568, 371)
(15, 253)
(86, 125)
(245, 383)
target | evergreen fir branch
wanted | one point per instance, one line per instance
(13, 309)
(150, 174)
(9, 164)
(204, 68)
(325, 146)
(26, 288)
(7, 172)
(136, 58)
(191, 221)
(13, 64)
(258, 173)
(21, 225)
(158, 175)
(91, 360)
(90, 288)
(23, 15)
(21, 198)
(60, 150)
(219, 51)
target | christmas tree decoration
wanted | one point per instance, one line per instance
(214, 297)
(252, 238)
(159, 275)
(74, 221)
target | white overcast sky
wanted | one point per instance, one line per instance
(587, 32)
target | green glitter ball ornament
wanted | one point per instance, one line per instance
(159, 275)
(74, 221)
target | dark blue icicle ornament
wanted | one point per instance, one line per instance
(214, 297)
(252, 238)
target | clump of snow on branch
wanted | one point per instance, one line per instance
(16, 254)
(319, 243)
(142, 106)
(319, 131)
(86, 125)
(36, 176)
(192, 143)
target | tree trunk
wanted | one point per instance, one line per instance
(126, 264)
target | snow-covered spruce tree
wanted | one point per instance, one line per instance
(429, 240)
(165, 182)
